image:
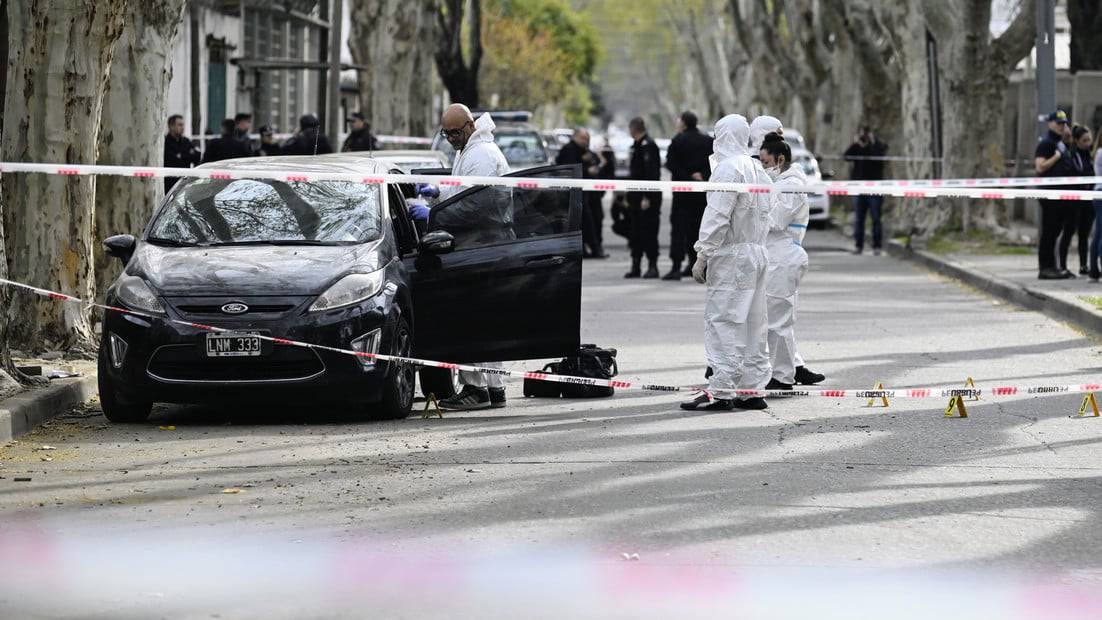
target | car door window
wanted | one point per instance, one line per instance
(404, 231)
(487, 215)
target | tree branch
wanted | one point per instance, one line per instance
(1014, 44)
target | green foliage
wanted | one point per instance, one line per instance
(573, 35)
(539, 52)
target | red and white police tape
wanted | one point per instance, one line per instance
(924, 392)
(990, 182)
(904, 189)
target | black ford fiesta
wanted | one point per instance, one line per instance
(496, 276)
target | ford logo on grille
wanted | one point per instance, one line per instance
(235, 307)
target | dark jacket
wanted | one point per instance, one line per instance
(864, 169)
(1047, 147)
(361, 140)
(574, 154)
(304, 142)
(688, 153)
(646, 160)
(181, 152)
(269, 150)
(226, 147)
(608, 165)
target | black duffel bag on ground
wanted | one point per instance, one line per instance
(592, 362)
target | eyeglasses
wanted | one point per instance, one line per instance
(454, 133)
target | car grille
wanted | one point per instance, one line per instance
(253, 309)
(208, 307)
(188, 363)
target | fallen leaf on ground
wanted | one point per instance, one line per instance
(231, 490)
(167, 428)
(40, 448)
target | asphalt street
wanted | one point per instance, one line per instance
(556, 500)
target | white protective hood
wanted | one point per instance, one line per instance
(480, 158)
(761, 126)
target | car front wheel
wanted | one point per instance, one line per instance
(398, 393)
(114, 409)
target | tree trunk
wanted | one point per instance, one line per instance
(1086, 34)
(421, 121)
(133, 126)
(387, 37)
(460, 76)
(59, 60)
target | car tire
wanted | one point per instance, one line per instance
(115, 410)
(441, 382)
(397, 399)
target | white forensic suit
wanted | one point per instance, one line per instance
(759, 128)
(482, 158)
(787, 266)
(732, 244)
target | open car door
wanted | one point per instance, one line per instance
(511, 287)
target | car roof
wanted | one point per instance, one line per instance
(334, 162)
(425, 154)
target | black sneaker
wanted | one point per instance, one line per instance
(750, 403)
(704, 402)
(777, 385)
(806, 377)
(1050, 274)
(1067, 275)
(674, 275)
(470, 399)
(687, 272)
(651, 274)
(634, 273)
(497, 398)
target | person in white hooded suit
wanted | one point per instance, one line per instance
(732, 261)
(487, 214)
(787, 260)
(783, 260)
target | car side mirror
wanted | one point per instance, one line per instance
(438, 242)
(121, 247)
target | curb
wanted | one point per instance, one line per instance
(21, 413)
(1082, 316)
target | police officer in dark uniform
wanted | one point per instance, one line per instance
(308, 140)
(179, 150)
(360, 137)
(644, 208)
(576, 152)
(227, 146)
(687, 160)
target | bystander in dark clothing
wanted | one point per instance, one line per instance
(644, 208)
(360, 137)
(866, 154)
(576, 152)
(687, 160)
(227, 146)
(180, 152)
(1051, 160)
(1078, 214)
(308, 140)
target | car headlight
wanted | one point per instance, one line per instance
(351, 289)
(133, 292)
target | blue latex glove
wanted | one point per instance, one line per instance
(426, 190)
(419, 212)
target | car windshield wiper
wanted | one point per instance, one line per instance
(170, 242)
(278, 242)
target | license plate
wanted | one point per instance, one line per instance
(234, 344)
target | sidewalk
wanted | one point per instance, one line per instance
(1012, 276)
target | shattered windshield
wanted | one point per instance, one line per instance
(241, 211)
